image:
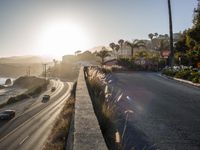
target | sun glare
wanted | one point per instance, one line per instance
(62, 38)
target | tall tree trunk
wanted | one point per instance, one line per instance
(131, 51)
(171, 62)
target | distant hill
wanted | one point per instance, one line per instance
(98, 48)
(23, 59)
(18, 65)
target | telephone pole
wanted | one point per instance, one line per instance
(45, 70)
(171, 58)
(28, 71)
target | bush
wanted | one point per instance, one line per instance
(195, 80)
(17, 98)
(183, 74)
(169, 72)
(34, 91)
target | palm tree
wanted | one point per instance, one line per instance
(163, 45)
(121, 42)
(135, 44)
(112, 46)
(171, 34)
(151, 35)
(117, 47)
(103, 54)
(156, 35)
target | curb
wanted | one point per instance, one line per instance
(181, 80)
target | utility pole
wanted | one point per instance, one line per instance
(28, 71)
(45, 70)
(171, 58)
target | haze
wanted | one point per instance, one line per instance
(55, 28)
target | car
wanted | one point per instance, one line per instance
(53, 89)
(7, 114)
(46, 97)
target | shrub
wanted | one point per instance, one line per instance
(195, 80)
(183, 74)
(17, 98)
(168, 72)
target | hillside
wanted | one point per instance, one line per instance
(28, 82)
(18, 65)
(23, 60)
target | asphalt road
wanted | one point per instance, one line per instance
(165, 112)
(29, 130)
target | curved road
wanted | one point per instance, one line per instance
(29, 130)
(165, 111)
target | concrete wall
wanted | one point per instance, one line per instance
(87, 133)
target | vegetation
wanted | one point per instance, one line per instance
(104, 113)
(186, 73)
(34, 85)
(113, 110)
(143, 60)
(59, 135)
(103, 54)
(135, 44)
(188, 46)
(33, 89)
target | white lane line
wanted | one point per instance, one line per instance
(66, 95)
(23, 140)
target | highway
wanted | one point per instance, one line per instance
(163, 111)
(30, 129)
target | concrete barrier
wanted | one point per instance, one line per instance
(87, 133)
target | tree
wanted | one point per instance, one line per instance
(55, 62)
(77, 52)
(151, 35)
(196, 19)
(103, 54)
(121, 42)
(112, 46)
(163, 45)
(117, 47)
(135, 44)
(156, 35)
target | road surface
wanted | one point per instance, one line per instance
(29, 130)
(164, 111)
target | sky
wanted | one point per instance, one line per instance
(58, 27)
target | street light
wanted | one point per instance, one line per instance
(171, 59)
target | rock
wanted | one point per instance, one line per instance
(1, 87)
(8, 82)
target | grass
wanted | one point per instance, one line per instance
(118, 132)
(105, 113)
(33, 89)
(32, 92)
(59, 134)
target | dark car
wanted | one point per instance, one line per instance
(46, 97)
(7, 115)
(53, 89)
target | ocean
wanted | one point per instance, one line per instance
(3, 80)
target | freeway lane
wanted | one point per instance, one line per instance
(35, 107)
(167, 112)
(30, 130)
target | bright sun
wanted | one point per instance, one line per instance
(62, 38)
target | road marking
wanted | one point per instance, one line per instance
(23, 140)
(66, 95)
